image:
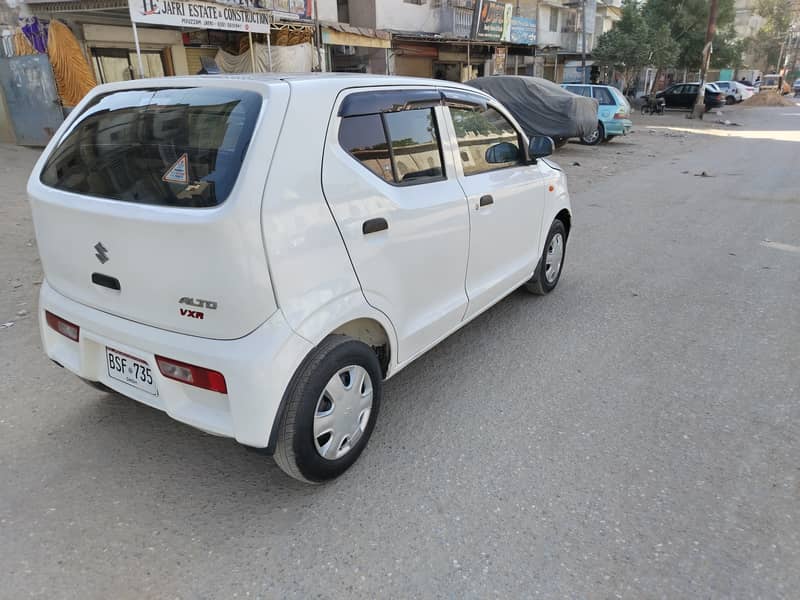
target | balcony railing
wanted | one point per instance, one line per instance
(456, 18)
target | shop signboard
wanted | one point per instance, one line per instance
(523, 31)
(490, 26)
(500, 60)
(508, 14)
(298, 8)
(197, 13)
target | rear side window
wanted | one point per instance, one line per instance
(604, 97)
(399, 147)
(179, 147)
(581, 90)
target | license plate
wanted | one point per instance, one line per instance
(131, 370)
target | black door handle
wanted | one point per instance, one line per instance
(486, 200)
(374, 225)
(111, 283)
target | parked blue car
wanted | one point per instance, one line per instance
(613, 113)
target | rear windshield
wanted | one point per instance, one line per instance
(173, 147)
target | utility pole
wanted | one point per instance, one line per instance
(583, 41)
(318, 38)
(473, 31)
(700, 105)
(476, 19)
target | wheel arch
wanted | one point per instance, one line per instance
(351, 315)
(374, 330)
(372, 333)
(565, 217)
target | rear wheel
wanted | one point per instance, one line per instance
(730, 100)
(331, 408)
(559, 142)
(594, 138)
(549, 271)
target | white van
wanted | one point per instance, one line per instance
(254, 255)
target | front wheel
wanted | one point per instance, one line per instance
(594, 138)
(548, 273)
(331, 407)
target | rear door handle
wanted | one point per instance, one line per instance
(374, 226)
(111, 283)
(486, 200)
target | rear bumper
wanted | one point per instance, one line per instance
(257, 367)
(618, 126)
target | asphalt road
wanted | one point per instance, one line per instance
(636, 434)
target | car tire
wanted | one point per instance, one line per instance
(340, 374)
(730, 100)
(560, 142)
(595, 137)
(545, 279)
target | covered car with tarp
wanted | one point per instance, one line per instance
(542, 107)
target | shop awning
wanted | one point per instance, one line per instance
(340, 34)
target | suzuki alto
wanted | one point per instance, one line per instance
(256, 255)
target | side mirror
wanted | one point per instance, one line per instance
(541, 146)
(502, 153)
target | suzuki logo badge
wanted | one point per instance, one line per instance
(102, 253)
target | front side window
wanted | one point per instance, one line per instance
(179, 147)
(399, 147)
(486, 140)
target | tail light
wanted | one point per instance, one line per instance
(62, 326)
(192, 375)
(620, 115)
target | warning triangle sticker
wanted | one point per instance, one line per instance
(179, 171)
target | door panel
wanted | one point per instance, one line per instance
(404, 220)
(32, 99)
(688, 96)
(506, 204)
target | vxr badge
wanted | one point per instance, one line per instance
(102, 253)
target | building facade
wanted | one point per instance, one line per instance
(454, 40)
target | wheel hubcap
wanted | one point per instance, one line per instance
(592, 137)
(553, 258)
(342, 412)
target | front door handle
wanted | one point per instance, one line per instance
(374, 225)
(486, 200)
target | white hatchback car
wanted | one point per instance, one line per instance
(254, 255)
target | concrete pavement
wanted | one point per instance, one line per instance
(635, 434)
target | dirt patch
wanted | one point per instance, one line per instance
(768, 99)
(655, 138)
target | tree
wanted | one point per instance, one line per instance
(663, 49)
(625, 46)
(634, 43)
(686, 21)
(766, 43)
